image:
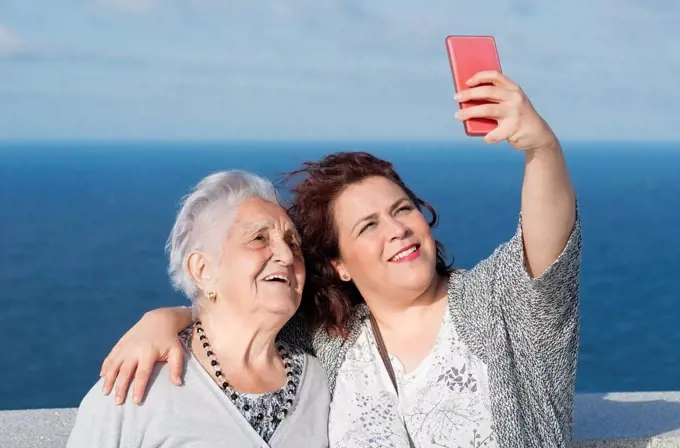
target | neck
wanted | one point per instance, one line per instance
(394, 312)
(239, 342)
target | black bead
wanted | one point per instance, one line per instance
(225, 385)
(218, 373)
(284, 411)
(213, 363)
(205, 345)
(202, 337)
(289, 401)
(260, 416)
(210, 353)
(290, 383)
(234, 396)
(246, 407)
(289, 374)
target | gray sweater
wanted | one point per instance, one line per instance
(526, 331)
(198, 415)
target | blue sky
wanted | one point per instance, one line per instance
(326, 69)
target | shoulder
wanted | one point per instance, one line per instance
(315, 369)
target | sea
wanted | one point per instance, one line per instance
(83, 227)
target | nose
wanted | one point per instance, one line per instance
(396, 229)
(282, 254)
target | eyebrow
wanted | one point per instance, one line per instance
(260, 226)
(394, 205)
(257, 226)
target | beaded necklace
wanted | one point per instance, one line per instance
(289, 389)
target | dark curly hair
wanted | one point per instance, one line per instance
(326, 299)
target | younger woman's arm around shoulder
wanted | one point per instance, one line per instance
(153, 339)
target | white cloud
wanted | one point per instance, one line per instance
(10, 43)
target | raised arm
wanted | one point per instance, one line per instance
(548, 207)
(154, 338)
(548, 200)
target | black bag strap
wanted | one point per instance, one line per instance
(388, 365)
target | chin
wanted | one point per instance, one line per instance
(285, 305)
(418, 279)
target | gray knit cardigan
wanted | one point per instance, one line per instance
(525, 330)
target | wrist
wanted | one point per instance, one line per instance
(549, 147)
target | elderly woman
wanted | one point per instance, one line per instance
(418, 354)
(235, 253)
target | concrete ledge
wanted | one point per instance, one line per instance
(627, 420)
(622, 420)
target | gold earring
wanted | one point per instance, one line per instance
(345, 277)
(212, 296)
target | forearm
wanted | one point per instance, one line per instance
(178, 317)
(548, 207)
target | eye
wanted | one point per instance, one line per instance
(405, 208)
(259, 240)
(366, 227)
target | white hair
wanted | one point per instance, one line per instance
(213, 198)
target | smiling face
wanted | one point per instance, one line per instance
(260, 268)
(386, 245)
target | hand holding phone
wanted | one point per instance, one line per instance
(469, 55)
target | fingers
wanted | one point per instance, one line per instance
(175, 358)
(502, 132)
(110, 372)
(492, 110)
(111, 361)
(491, 77)
(142, 375)
(491, 93)
(123, 381)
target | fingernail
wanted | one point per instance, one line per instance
(457, 115)
(469, 81)
(136, 398)
(458, 96)
(119, 400)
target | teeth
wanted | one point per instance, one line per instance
(405, 253)
(277, 277)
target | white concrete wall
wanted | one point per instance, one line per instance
(622, 420)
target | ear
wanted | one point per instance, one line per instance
(200, 268)
(341, 270)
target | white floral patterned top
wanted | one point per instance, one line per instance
(444, 401)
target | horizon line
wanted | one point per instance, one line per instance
(473, 140)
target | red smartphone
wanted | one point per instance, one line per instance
(469, 55)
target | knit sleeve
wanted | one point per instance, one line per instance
(531, 324)
(541, 310)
